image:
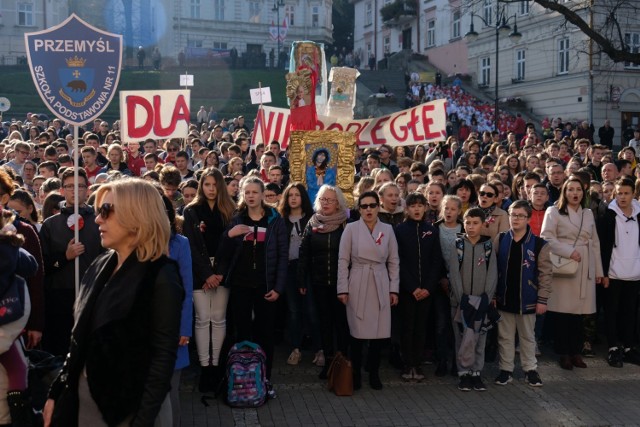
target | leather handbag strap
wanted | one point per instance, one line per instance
(579, 231)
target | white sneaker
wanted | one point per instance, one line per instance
(318, 360)
(294, 357)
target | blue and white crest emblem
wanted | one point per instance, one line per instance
(75, 67)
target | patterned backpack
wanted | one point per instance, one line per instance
(246, 375)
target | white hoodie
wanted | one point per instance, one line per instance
(625, 257)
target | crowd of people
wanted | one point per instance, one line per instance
(465, 112)
(456, 252)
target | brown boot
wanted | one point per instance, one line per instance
(577, 361)
(565, 362)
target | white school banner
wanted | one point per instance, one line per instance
(418, 125)
(156, 114)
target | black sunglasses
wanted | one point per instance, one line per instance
(105, 210)
(370, 205)
(485, 194)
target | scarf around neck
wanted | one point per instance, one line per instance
(327, 223)
(488, 211)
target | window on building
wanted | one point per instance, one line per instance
(387, 44)
(520, 56)
(194, 9)
(455, 30)
(632, 42)
(431, 33)
(487, 12)
(368, 13)
(523, 7)
(255, 10)
(25, 14)
(194, 43)
(289, 13)
(315, 16)
(218, 10)
(485, 71)
(219, 45)
(563, 56)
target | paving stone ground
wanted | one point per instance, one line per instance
(596, 396)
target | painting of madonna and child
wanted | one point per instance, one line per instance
(323, 157)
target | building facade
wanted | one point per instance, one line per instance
(249, 26)
(429, 27)
(207, 29)
(554, 68)
(18, 17)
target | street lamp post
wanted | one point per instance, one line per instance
(276, 8)
(501, 27)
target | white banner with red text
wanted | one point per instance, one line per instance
(418, 125)
(155, 114)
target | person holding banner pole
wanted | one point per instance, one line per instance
(70, 242)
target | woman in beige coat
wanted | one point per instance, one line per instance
(571, 297)
(368, 281)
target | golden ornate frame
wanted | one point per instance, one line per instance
(302, 144)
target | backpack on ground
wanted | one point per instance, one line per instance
(246, 375)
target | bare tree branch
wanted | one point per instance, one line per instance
(617, 54)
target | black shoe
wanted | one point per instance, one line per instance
(357, 380)
(615, 358)
(374, 381)
(271, 393)
(504, 378)
(20, 409)
(441, 370)
(478, 385)
(533, 379)
(466, 383)
(205, 384)
(217, 374)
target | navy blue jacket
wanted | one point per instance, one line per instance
(420, 255)
(276, 251)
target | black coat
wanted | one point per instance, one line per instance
(276, 251)
(420, 255)
(126, 334)
(318, 261)
(55, 235)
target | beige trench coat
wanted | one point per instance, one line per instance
(496, 223)
(368, 270)
(573, 295)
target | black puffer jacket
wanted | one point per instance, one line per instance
(318, 261)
